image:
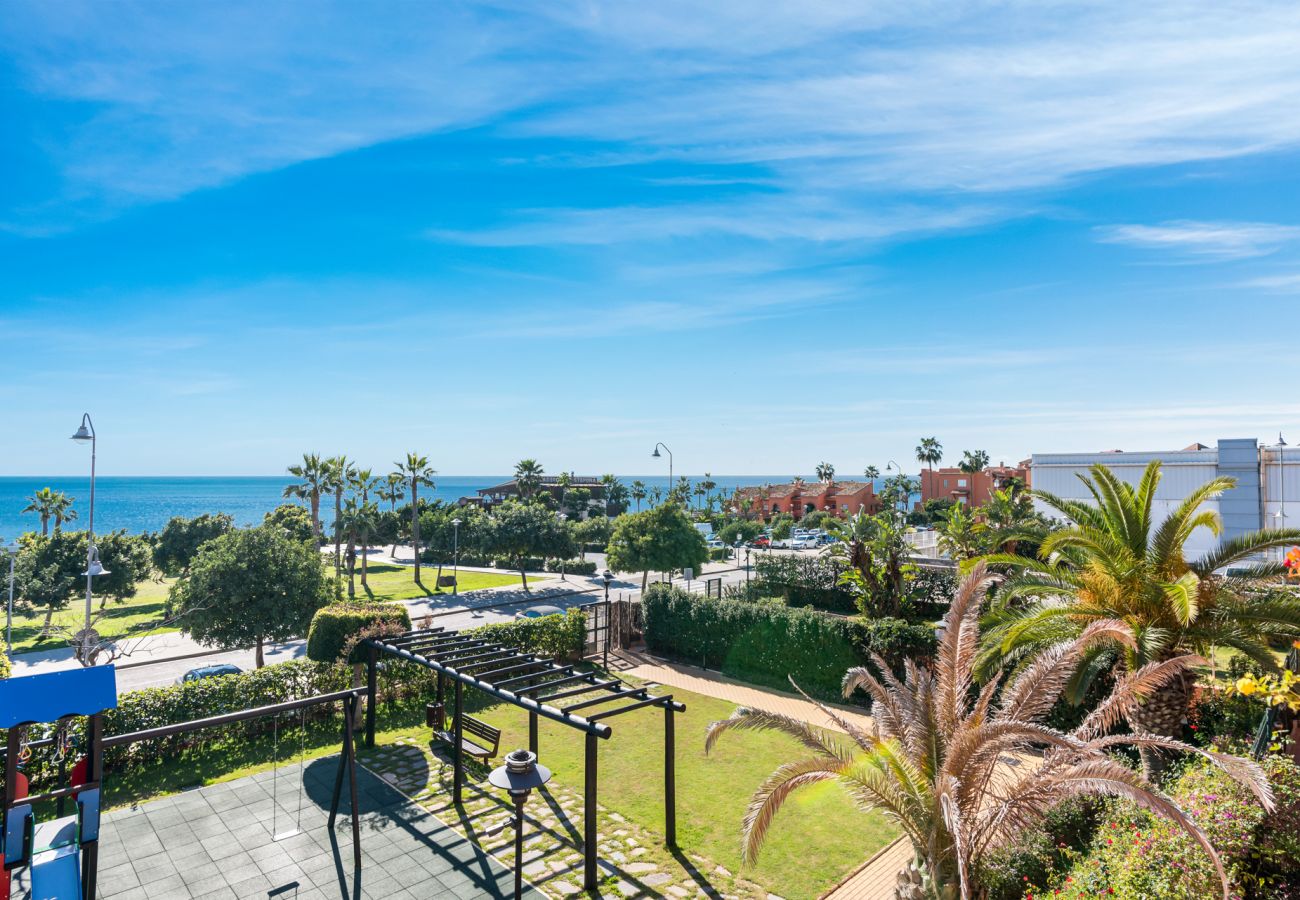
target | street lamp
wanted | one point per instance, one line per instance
(455, 557)
(656, 455)
(86, 432)
(895, 467)
(608, 577)
(563, 562)
(11, 550)
(518, 777)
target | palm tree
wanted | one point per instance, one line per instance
(871, 473)
(312, 484)
(416, 471)
(528, 477)
(960, 533)
(338, 475)
(933, 758)
(1117, 563)
(638, 493)
(364, 482)
(366, 522)
(825, 472)
(929, 452)
(973, 461)
(616, 494)
(346, 523)
(48, 504)
(395, 490)
(700, 492)
(656, 495)
(708, 484)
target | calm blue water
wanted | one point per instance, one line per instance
(146, 503)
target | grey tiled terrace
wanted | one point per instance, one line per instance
(215, 842)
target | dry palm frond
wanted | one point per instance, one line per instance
(773, 792)
(815, 739)
(1131, 690)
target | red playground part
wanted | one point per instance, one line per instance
(20, 791)
(80, 769)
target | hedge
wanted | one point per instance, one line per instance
(572, 566)
(557, 636)
(336, 628)
(6, 668)
(767, 642)
(805, 581)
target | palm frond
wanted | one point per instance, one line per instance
(819, 740)
(1240, 548)
(771, 795)
(1131, 690)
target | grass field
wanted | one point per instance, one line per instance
(132, 617)
(390, 582)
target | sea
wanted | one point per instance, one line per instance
(145, 503)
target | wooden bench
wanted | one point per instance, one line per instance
(447, 581)
(478, 739)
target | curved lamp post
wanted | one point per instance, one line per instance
(518, 777)
(608, 577)
(899, 469)
(656, 455)
(86, 432)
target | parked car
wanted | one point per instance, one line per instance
(536, 612)
(714, 543)
(760, 543)
(211, 671)
(803, 542)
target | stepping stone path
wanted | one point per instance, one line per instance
(633, 860)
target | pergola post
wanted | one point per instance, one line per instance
(532, 732)
(372, 692)
(670, 776)
(457, 759)
(590, 876)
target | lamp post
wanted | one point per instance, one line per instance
(893, 466)
(11, 550)
(86, 432)
(747, 567)
(1281, 487)
(518, 777)
(563, 562)
(656, 455)
(608, 577)
(455, 557)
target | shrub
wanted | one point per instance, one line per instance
(720, 554)
(805, 581)
(895, 640)
(336, 629)
(572, 566)
(527, 563)
(6, 668)
(557, 636)
(930, 592)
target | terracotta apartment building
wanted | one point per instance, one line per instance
(800, 498)
(971, 488)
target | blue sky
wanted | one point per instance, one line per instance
(765, 234)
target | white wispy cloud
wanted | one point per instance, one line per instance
(1277, 284)
(1211, 241)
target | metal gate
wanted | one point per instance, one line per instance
(597, 638)
(713, 588)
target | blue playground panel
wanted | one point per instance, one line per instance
(53, 695)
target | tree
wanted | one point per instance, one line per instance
(661, 539)
(741, 530)
(933, 762)
(878, 561)
(528, 477)
(393, 491)
(251, 586)
(825, 472)
(293, 520)
(1117, 563)
(960, 535)
(616, 495)
(576, 503)
(517, 531)
(417, 473)
(49, 504)
(929, 452)
(973, 461)
(896, 492)
(871, 473)
(707, 484)
(181, 538)
(339, 473)
(442, 538)
(358, 520)
(312, 475)
(638, 493)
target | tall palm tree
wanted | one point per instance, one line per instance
(366, 523)
(338, 476)
(346, 523)
(929, 452)
(973, 461)
(394, 490)
(415, 469)
(364, 482)
(310, 487)
(528, 477)
(825, 472)
(933, 758)
(1116, 562)
(616, 494)
(871, 473)
(638, 493)
(49, 504)
(708, 484)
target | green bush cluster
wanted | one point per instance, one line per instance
(336, 629)
(720, 554)
(805, 581)
(572, 566)
(557, 636)
(895, 640)
(6, 668)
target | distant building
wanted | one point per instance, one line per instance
(499, 493)
(1267, 492)
(970, 488)
(799, 498)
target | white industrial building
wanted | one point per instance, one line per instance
(1267, 492)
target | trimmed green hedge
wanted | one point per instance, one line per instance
(805, 581)
(572, 566)
(6, 668)
(765, 643)
(557, 636)
(334, 628)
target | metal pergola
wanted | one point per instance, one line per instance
(535, 684)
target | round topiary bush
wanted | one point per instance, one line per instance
(338, 628)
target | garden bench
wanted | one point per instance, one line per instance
(478, 739)
(447, 581)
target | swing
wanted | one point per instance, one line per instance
(275, 777)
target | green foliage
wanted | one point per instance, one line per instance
(293, 520)
(518, 531)
(744, 530)
(878, 566)
(931, 511)
(558, 636)
(781, 526)
(48, 570)
(817, 519)
(594, 533)
(337, 629)
(721, 554)
(572, 566)
(895, 640)
(179, 541)
(250, 586)
(765, 643)
(1042, 853)
(6, 667)
(805, 581)
(661, 539)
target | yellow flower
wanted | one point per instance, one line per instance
(1246, 685)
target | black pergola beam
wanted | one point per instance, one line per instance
(531, 689)
(412, 636)
(461, 658)
(566, 670)
(592, 686)
(638, 693)
(523, 664)
(449, 647)
(640, 704)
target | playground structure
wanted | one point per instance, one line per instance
(62, 853)
(532, 683)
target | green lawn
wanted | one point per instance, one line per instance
(390, 582)
(134, 617)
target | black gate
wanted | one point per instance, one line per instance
(598, 632)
